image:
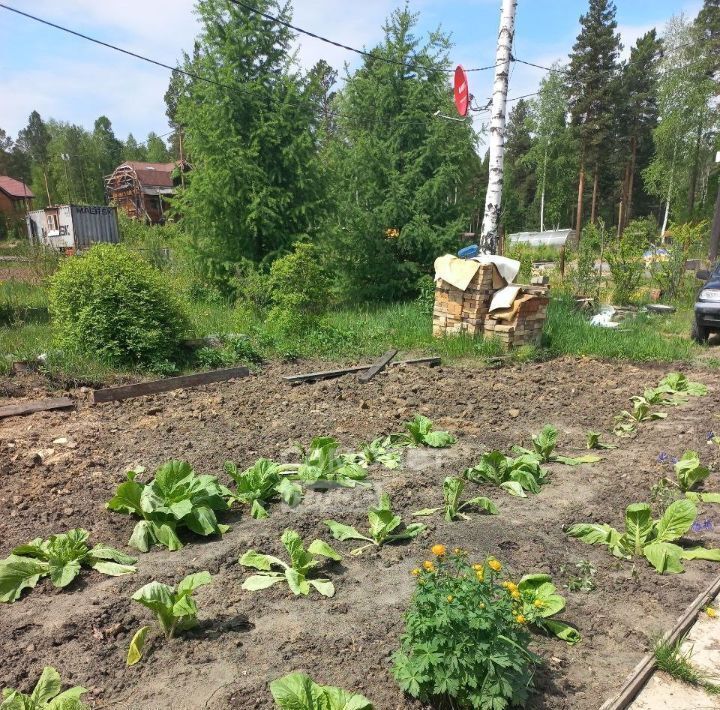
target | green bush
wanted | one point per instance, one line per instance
(112, 304)
(668, 275)
(465, 642)
(586, 276)
(299, 288)
(625, 257)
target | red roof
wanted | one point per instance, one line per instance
(153, 174)
(14, 188)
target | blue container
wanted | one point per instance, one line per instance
(469, 252)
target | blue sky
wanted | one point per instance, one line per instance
(70, 79)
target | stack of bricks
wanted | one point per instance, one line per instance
(465, 311)
(525, 328)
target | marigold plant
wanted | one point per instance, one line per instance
(466, 639)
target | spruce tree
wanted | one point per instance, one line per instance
(593, 88)
(520, 179)
(400, 176)
(251, 136)
(639, 117)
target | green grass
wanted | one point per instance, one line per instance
(670, 658)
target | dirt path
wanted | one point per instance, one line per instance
(247, 639)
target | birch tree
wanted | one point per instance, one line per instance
(493, 197)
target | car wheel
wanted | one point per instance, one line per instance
(699, 333)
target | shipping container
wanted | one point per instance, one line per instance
(71, 228)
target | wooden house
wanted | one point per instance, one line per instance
(142, 190)
(15, 202)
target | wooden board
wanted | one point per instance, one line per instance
(41, 405)
(327, 374)
(113, 394)
(380, 365)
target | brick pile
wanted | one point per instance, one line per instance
(525, 326)
(465, 311)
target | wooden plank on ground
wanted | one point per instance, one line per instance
(40, 405)
(379, 366)
(327, 374)
(113, 394)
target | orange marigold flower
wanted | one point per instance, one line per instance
(520, 619)
(429, 566)
(515, 594)
(458, 551)
(495, 564)
(539, 603)
(510, 586)
(480, 574)
(415, 572)
(477, 567)
(450, 597)
(712, 613)
(438, 550)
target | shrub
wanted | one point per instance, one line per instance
(299, 288)
(586, 277)
(112, 304)
(465, 642)
(668, 274)
(625, 257)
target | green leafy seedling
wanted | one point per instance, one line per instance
(453, 488)
(45, 696)
(543, 449)
(652, 539)
(513, 475)
(541, 602)
(297, 691)
(677, 383)
(174, 608)
(384, 527)
(689, 471)
(420, 432)
(60, 557)
(176, 498)
(380, 451)
(593, 441)
(296, 574)
(323, 467)
(260, 484)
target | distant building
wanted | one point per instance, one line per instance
(141, 190)
(15, 202)
(556, 238)
(72, 228)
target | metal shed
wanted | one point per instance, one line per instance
(71, 228)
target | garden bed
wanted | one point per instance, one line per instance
(247, 639)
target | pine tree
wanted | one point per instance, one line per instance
(252, 139)
(639, 118)
(34, 141)
(708, 26)
(520, 180)
(132, 150)
(157, 150)
(593, 88)
(400, 177)
(108, 147)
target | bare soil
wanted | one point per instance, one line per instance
(247, 639)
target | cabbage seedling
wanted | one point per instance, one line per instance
(174, 608)
(323, 467)
(513, 475)
(420, 433)
(544, 445)
(690, 471)
(452, 493)
(60, 557)
(383, 527)
(540, 601)
(379, 451)
(176, 498)
(45, 696)
(593, 441)
(653, 539)
(260, 484)
(297, 691)
(677, 383)
(302, 563)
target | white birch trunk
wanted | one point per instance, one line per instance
(667, 203)
(493, 198)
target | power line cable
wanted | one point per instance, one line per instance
(334, 43)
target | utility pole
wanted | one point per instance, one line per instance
(493, 198)
(715, 231)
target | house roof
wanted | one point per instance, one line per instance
(14, 188)
(153, 174)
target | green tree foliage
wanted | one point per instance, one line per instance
(683, 138)
(34, 141)
(593, 90)
(107, 147)
(400, 176)
(552, 154)
(520, 180)
(157, 150)
(625, 257)
(112, 304)
(252, 136)
(638, 119)
(132, 150)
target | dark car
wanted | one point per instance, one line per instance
(707, 306)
